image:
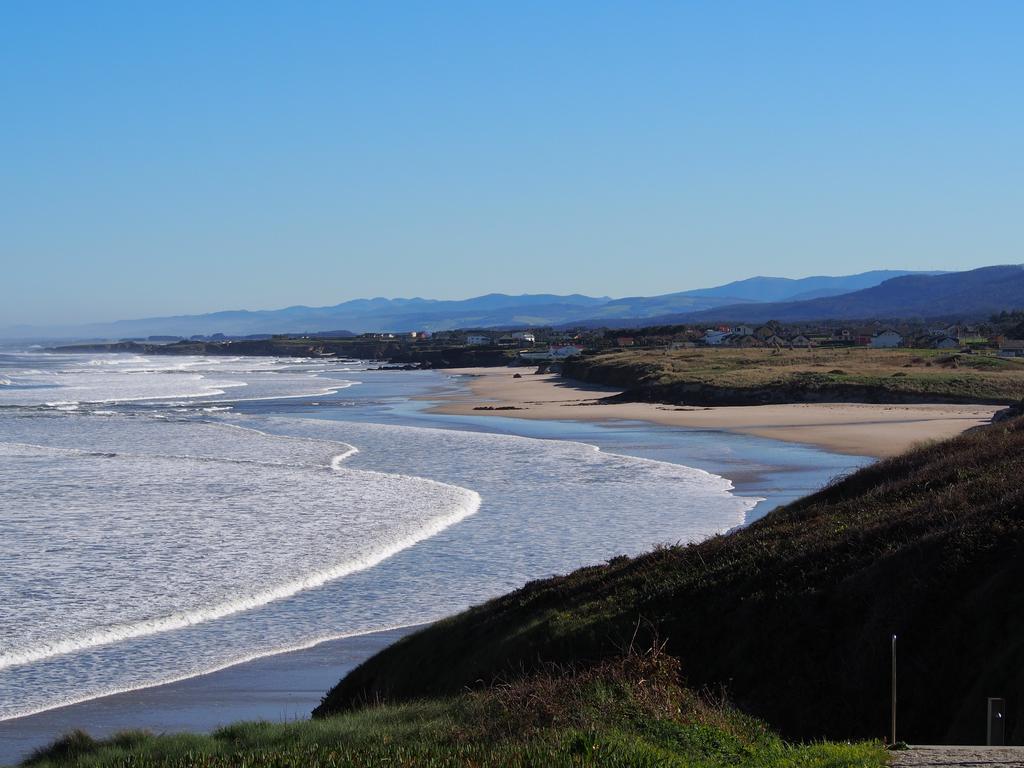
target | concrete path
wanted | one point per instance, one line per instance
(968, 757)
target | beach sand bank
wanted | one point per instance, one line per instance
(278, 688)
(851, 428)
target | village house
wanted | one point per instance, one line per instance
(570, 350)
(655, 340)
(554, 352)
(478, 340)
(744, 342)
(524, 336)
(1011, 348)
(800, 341)
(714, 338)
(887, 339)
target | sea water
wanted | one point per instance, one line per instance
(161, 517)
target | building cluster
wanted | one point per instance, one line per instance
(877, 336)
(550, 343)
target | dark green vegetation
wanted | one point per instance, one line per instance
(626, 712)
(762, 376)
(793, 614)
(1010, 324)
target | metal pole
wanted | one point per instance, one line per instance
(893, 734)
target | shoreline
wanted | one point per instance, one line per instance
(876, 430)
(279, 687)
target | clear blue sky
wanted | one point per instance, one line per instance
(175, 157)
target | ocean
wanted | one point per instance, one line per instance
(163, 517)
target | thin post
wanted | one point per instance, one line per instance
(893, 734)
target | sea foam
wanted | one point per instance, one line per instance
(180, 537)
(146, 544)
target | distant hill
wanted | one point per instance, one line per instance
(493, 310)
(753, 290)
(762, 289)
(975, 294)
(358, 316)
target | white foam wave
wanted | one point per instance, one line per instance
(68, 701)
(115, 379)
(165, 547)
(119, 360)
(464, 502)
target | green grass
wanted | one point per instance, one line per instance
(750, 376)
(627, 712)
(792, 614)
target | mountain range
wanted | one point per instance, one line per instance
(881, 294)
(976, 293)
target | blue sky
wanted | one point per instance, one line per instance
(185, 157)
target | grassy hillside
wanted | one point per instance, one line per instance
(756, 376)
(792, 615)
(628, 712)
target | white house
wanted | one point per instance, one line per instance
(714, 338)
(743, 330)
(570, 350)
(886, 340)
(478, 340)
(524, 336)
(554, 353)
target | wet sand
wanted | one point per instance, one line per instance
(851, 428)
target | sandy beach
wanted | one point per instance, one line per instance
(852, 428)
